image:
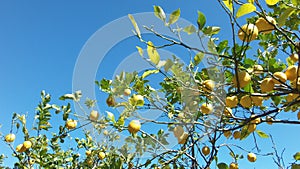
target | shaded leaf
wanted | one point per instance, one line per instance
(159, 12)
(245, 9)
(297, 156)
(198, 58)
(283, 17)
(211, 30)
(152, 53)
(168, 64)
(222, 166)
(201, 20)
(174, 16)
(189, 29)
(137, 30)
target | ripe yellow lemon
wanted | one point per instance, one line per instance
(231, 101)
(134, 126)
(251, 157)
(265, 25)
(236, 134)
(71, 124)
(10, 137)
(127, 92)
(205, 150)
(281, 76)
(206, 108)
(257, 100)
(182, 139)
(294, 57)
(101, 155)
(88, 152)
(178, 131)
(228, 112)
(20, 148)
(248, 32)
(258, 69)
(291, 72)
(27, 144)
(246, 101)
(267, 85)
(208, 85)
(233, 166)
(244, 79)
(94, 115)
(227, 133)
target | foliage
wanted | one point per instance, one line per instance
(193, 99)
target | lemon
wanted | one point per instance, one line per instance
(281, 76)
(291, 97)
(205, 150)
(134, 126)
(267, 85)
(127, 92)
(208, 85)
(251, 128)
(27, 144)
(88, 152)
(248, 32)
(10, 137)
(244, 79)
(294, 57)
(236, 134)
(71, 124)
(227, 133)
(258, 69)
(231, 101)
(94, 115)
(137, 100)
(257, 100)
(110, 101)
(206, 108)
(182, 139)
(246, 101)
(233, 166)
(256, 120)
(178, 131)
(101, 155)
(251, 157)
(291, 72)
(265, 25)
(20, 148)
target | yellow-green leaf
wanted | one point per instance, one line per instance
(297, 156)
(152, 53)
(174, 16)
(228, 4)
(159, 12)
(272, 2)
(137, 30)
(245, 9)
(262, 134)
(149, 72)
(189, 29)
(283, 17)
(140, 50)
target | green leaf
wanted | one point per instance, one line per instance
(296, 166)
(295, 2)
(228, 4)
(140, 50)
(189, 29)
(159, 12)
(211, 30)
(222, 166)
(137, 30)
(297, 156)
(262, 134)
(283, 17)
(245, 9)
(149, 72)
(272, 2)
(201, 20)
(152, 53)
(198, 58)
(174, 17)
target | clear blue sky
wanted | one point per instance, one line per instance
(40, 43)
